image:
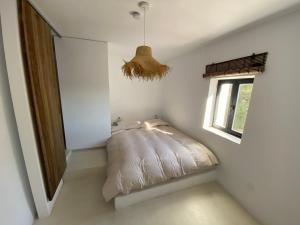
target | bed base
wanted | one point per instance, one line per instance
(123, 201)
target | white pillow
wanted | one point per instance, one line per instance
(154, 123)
(126, 125)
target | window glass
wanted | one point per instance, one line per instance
(232, 104)
(242, 106)
(223, 105)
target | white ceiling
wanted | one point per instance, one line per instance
(173, 26)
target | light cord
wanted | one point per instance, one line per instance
(144, 26)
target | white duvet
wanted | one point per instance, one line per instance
(140, 158)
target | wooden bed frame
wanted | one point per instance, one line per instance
(206, 176)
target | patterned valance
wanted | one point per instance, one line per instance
(253, 64)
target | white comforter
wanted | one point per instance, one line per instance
(139, 158)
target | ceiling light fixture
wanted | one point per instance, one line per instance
(143, 65)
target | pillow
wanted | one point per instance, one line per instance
(126, 125)
(154, 123)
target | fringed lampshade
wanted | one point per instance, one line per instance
(144, 66)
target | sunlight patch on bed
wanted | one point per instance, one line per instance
(149, 127)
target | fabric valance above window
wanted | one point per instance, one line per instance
(254, 64)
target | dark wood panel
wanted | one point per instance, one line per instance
(42, 82)
(254, 63)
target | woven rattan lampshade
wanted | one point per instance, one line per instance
(144, 66)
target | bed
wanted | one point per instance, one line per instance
(147, 159)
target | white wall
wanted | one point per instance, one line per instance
(16, 205)
(131, 99)
(84, 87)
(263, 171)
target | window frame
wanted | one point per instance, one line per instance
(233, 101)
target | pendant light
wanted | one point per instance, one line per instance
(143, 65)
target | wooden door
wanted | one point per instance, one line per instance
(42, 83)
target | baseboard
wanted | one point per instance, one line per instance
(91, 148)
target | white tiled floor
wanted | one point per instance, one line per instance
(81, 202)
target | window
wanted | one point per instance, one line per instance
(231, 105)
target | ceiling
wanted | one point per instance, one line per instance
(173, 26)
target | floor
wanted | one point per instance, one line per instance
(81, 201)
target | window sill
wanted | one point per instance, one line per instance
(224, 135)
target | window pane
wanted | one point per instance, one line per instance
(222, 106)
(242, 106)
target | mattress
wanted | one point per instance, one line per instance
(143, 157)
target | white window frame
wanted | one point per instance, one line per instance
(210, 109)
